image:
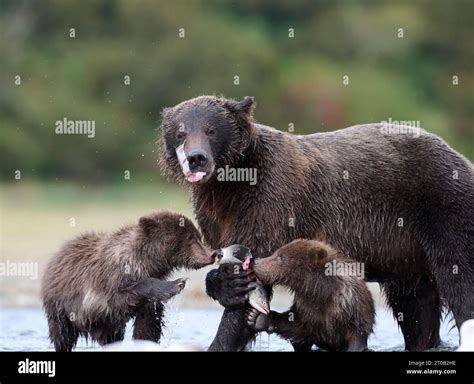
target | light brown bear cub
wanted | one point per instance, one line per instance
(332, 305)
(99, 281)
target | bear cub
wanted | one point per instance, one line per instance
(97, 282)
(332, 309)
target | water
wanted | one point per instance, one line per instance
(26, 330)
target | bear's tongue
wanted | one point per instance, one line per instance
(183, 162)
(195, 177)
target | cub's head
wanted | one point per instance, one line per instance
(209, 132)
(294, 263)
(171, 241)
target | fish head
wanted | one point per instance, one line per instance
(258, 299)
(233, 254)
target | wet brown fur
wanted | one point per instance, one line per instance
(349, 188)
(334, 311)
(85, 288)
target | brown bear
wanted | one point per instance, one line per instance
(399, 200)
(332, 305)
(98, 281)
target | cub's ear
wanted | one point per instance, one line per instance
(319, 253)
(147, 224)
(244, 107)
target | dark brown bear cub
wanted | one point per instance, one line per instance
(332, 306)
(97, 282)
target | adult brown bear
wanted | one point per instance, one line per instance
(401, 203)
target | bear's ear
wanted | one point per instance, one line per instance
(244, 107)
(319, 253)
(147, 224)
(165, 112)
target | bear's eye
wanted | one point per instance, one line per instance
(180, 135)
(210, 131)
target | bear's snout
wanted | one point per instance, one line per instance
(197, 159)
(259, 266)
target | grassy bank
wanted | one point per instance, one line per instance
(37, 218)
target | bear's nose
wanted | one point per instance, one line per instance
(197, 159)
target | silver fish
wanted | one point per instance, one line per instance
(239, 254)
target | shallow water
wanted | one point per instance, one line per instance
(26, 330)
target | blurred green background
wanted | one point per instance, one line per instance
(400, 58)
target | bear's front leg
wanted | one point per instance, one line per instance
(279, 323)
(228, 287)
(258, 321)
(151, 289)
(145, 299)
(233, 334)
(282, 324)
(231, 290)
(148, 323)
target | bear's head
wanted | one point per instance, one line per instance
(294, 264)
(202, 135)
(171, 241)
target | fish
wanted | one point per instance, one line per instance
(240, 254)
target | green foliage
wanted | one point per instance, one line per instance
(294, 80)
